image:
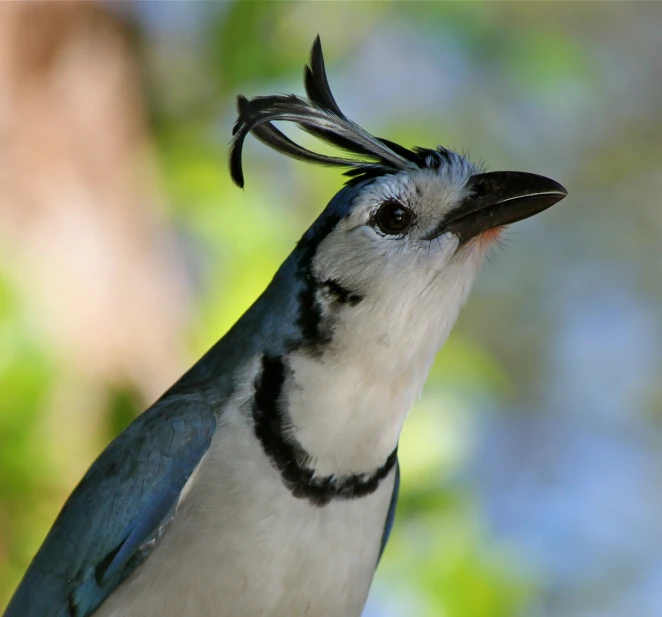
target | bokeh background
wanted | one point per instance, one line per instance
(532, 466)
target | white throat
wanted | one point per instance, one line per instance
(348, 406)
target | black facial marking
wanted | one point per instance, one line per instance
(310, 318)
(315, 335)
(340, 293)
(289, 457)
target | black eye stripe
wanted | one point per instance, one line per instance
(392, 218)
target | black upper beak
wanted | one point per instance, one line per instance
(500, 198)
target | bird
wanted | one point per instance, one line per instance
(264, 482)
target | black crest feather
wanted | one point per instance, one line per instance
(320, 116)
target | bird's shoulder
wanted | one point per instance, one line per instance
(119, 510)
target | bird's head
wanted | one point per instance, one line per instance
(395, 252)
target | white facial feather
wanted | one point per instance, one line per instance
(349, 406)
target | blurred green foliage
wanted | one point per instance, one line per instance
(27, 376)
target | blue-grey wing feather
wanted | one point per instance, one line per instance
(390, 516)
(118, 511)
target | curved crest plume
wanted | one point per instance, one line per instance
(320, 116)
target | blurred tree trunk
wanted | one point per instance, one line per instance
(82, 229)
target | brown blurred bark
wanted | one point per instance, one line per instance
(80, 210)
(81, 219)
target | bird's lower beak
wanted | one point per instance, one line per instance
(499, 198)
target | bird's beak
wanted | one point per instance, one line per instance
(499, 198)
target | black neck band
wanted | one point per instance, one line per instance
(289, 457)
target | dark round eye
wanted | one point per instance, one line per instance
(393, 218)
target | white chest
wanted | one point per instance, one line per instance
(242, 546)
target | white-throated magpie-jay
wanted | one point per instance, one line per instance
(264, 482)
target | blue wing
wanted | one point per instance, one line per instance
(117, 512)
(390, 516)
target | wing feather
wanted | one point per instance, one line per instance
(118, 512)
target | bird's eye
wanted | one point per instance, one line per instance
(393, 218)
